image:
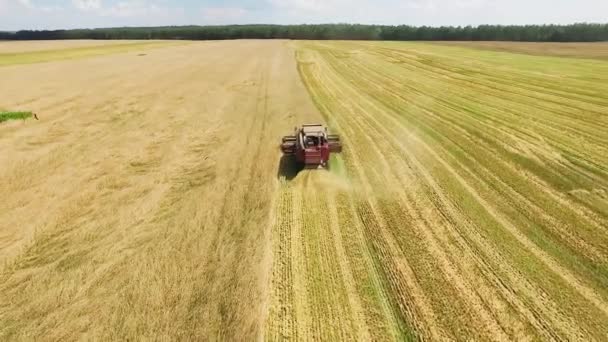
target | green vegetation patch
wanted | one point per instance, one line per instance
(5, 116)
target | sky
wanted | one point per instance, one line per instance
(66, 14)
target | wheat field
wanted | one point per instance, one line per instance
(150, 199)
(472, 203)
(138, 206)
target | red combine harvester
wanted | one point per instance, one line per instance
(311, 145)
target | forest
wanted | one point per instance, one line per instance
(583, 32)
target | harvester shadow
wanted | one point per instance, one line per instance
(288, 168)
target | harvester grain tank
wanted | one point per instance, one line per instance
(311, 145)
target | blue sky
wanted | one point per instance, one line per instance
(54, 14)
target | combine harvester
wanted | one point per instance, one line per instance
(311, 145)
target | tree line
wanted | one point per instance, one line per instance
(530, 33)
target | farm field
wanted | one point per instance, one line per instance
(597, 50)
(23, 46)
(151, 201)
(26, 52)
(471, 202)
(138, 206)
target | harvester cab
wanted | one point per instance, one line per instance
(311, 145)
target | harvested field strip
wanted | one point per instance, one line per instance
(326, 283)
(478, 189)
(598, 50)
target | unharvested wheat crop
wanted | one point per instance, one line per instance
(139, 205)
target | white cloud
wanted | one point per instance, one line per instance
(30, 6)
(124, 9)
(87, 5)
(428, 5)
(223, 14)
(130, 9)
(26, 4)
(140, 8)
(472, 3)
(310, 5)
